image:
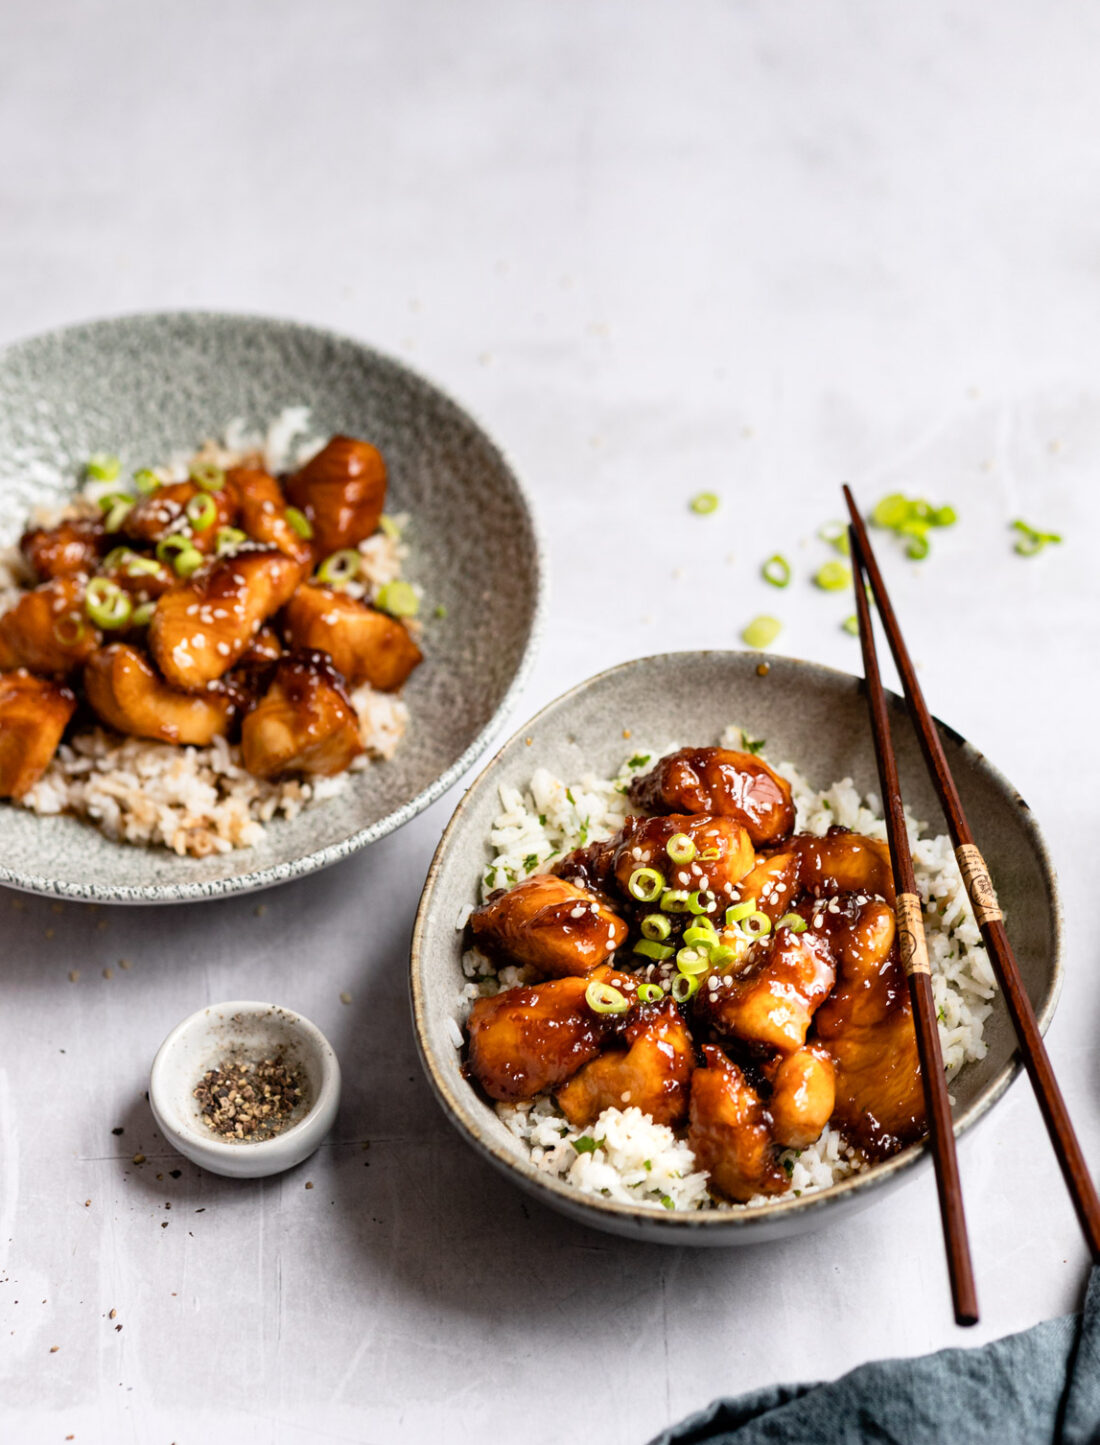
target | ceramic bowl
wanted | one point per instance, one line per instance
(814, 717)
(249, 1031)
(147, 386)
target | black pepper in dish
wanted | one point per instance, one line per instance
(250, 1098)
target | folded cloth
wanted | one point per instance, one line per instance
(1036, 1387)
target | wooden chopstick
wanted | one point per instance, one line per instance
(914, 956)
(975, 874)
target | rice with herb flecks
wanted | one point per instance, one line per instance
(625, 1155)
(201, 800)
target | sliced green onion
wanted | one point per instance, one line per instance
(776, 570)
(106, 603)
(602, 998)
(390, 528)
(656, 926)
(202, 511)
(300, 522)
(702, 935)
(115, 557)
(692, 961)
(138, 566)
(680, 848)
(340, 567)
(943, 516)
(851, 625)
(891, 511)
(227, 538)
(143, 615)
(836, 534)
(207, 476)
(146, 481)
(645, 884)
(439, 610)
(117, 515)
(187, 562)
(722, 954)
(794, 921)
(656, 951)
(650, 992)
(761, 632)
(113, 499)
(703, 900)
(684, 986)
(737, 911)
(69, 630)
(1032, 541)
(703, 503)
(399, 599)
(710, 855)
(102, 467)
(167, 547)
(917, 546)
(675, 900)
(756, 925)
(833, 576)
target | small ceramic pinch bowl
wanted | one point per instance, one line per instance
(243, 1030)
(815, 718)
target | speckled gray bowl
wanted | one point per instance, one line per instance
(146, 386)
(814, 717)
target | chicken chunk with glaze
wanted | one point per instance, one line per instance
(34, 713)
(550, 925)
(304, 723)
(722, 783)
(128, 694)
(342, 492)
(365, 645)
(652, 1073)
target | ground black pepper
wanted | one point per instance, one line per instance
(250, 1099)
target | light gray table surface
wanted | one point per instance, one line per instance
(750, 248)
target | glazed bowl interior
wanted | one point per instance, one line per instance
(146, 387)
(811, 716)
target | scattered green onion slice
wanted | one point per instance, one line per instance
(645, 884)
(702, 934)
(202, 511)
(69, 630)
(143, 615)
(115, 557)
(675, 900)
(684, 986)
(106, 603)
(833, 576)
(776, 570)
(703, 900)
(602, 998)
(891, 511)
(656, 951)
(761, 632)
(680, 848)
(851, 625)
(167, 547)
(650, 992)
(656, 926)
(399, 599)
(756, 925)
(917, 546)
(188, 562)
(692, 961)
(945, 516)
(117, 515)
(794, 921)
(703, 503)
(102, 467)
(146, 481)
(207, 476)
(138, 566)
(390, 528)
(722, 954)
(227, 538)
(738, 911)
(300, 522)
(836, 534)
(911, 518)
(340, 567)
(1032, 541)
(110, 500)
(439, 610)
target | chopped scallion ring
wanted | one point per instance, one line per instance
(69, 630)
(703, 900)
(146, 481)
(917, 546)
(340, 567)
(390, 528)
(756, 925)
(738, 911)
(645, 884)
(702, 934)
(106, 603)
(650, 992)
(110, 500)
(117, 515)
(602, 998)
(692, 961)
(300, 522)
(188, 562)
(399, 599)
(703, 503)
(1031, 541)
(143, 615)
(207, 476)
(943, 516)
(851, 625)
(102, 467)
(776, 570)
(167, 547)
(911, 518)
(202, 511)
(891, 511)
(656, 926)
(794, 921)
(680, 848)
(137, 566)
(710, 855)
(675, 900)
(761, 632)
(647, 948)
(684, 986)
(722, 954)
(833, 576)
(226, 539)
(836, 534)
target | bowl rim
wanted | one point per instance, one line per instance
(271, 876)
(678, 1226)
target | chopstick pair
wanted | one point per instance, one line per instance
(913, 949)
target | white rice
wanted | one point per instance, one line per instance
(625, 1155)
(195, 800)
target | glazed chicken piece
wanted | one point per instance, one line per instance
(549, 925)
(525, 1040)
(731, 1131)
(342, 491)
(867, 1026)
(163, 513)
(261, 512)
(844, 862)
(803, 1096)
(723, 855)
(653, 1073)
(722, 783)
(304, 723)
(264, 649)
(202, 626)
(72, 546)
(771, 1002)
(33, 715)
(365, 645)
(773, 883)
(129, 695)
(47, 631)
